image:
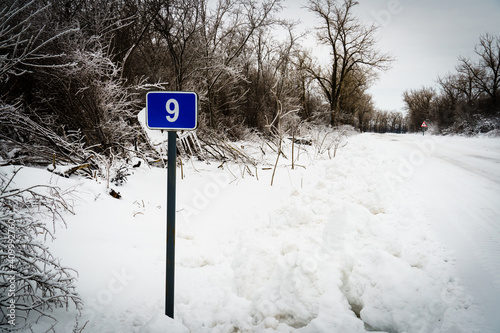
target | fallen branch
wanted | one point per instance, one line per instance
(66, 171)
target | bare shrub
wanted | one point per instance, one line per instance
(328, 140)
(36, 281)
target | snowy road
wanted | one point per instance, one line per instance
(457, 184)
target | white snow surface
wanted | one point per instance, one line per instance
(397, 233)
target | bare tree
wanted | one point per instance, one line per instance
(177, 23)
(486, 73)
(283, 76)
(304, 81)
(419, 104)
(468, 99)
(228, 29)
(467, 81)
(363, 108)
(450, 87)
(352, 48)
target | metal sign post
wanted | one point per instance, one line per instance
(423, 127)
(170, 255)
(171, 111)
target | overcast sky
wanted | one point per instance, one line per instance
(426, 37)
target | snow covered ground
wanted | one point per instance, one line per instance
(397, 233)
(458, 182)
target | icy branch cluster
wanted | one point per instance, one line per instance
(33, 282)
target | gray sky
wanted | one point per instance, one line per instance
(426, 38)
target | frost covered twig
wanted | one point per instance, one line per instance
(36, 143)
(219, 148)
(36, 280)
(324, 139)
(20, 48)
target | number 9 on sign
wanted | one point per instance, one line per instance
(173, 112)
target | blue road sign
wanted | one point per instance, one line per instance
(172, 110)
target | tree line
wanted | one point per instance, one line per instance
(82, 68)
(78, 71)
(466, 101)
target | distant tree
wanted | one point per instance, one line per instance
(445, 111)
(382, 120)
(468, 99)
(450, 88)
(355, 98)
(467, 81)
(486, 72)
(352, 48)
(363, 108)
(457, 99)
(396, 122)
(419, 104)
